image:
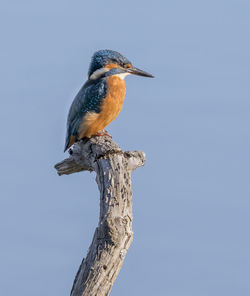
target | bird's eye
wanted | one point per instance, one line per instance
(127, 66)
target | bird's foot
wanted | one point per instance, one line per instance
(102, 133)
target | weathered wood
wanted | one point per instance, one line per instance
(114, 234)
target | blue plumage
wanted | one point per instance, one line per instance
(92, 96)
(88, 99)
(104, 57)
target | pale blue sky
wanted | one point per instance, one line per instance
(191, 200)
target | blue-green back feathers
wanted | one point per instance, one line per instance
(88, 99)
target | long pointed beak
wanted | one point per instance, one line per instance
(136, 71)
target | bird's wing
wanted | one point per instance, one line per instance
(88, 99)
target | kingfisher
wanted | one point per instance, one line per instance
(100, 99)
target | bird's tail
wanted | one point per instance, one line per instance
(70, 140)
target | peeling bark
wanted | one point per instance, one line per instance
(113, 236)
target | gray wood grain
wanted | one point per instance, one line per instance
(113, 236)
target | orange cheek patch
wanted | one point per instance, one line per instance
(128, 66)
(112, 66)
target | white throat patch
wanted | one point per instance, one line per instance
(122, 75)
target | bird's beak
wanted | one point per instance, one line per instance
(136, 71)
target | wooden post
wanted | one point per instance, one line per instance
(113, 236)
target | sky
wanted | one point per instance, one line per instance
(191, 201)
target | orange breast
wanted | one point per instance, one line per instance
(111, 107)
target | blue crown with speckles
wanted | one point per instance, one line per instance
(102, 58)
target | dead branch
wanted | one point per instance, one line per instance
(113, 236)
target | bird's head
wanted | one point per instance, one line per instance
(104, 61)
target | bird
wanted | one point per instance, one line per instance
(100, 99)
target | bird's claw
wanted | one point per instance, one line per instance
(102, 133)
